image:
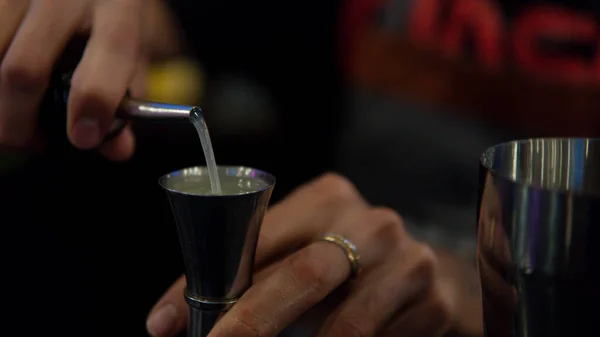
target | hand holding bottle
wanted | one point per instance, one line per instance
(32, 37)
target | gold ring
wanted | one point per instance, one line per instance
(349, 249)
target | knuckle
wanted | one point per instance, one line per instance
(247, 323)
(124, 41)
(23, 75)
(92, 96)
(348, 326)
(123, 38)
(425, 262)
(308, 269)
(390, 223)
(86, 91)
(333, 186)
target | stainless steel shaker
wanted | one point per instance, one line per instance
(538, 245)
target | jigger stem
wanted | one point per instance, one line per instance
(204, 313)
(201, 322)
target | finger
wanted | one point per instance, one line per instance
(105, 71)
(122, 147)
(139, 82)
(307, 212)
(303, 279)
(307, 277)
(169, 315)
(27, 66)
(429, 318)
(382, 293)
(375, 233)
(11, 14)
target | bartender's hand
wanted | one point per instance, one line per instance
(401, 290)
(33, 34)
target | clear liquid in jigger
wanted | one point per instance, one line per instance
(201, 185)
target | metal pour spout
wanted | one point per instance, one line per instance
(218, 236)
(132, 109)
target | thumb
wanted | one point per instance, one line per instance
(169, 315)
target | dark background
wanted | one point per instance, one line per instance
(88, 245)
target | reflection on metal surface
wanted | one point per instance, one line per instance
(538, 218)
(218, 236)
(137, 109)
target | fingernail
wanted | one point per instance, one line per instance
(162, 321)
(86, 133)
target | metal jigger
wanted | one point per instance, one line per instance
(538, 247)
(218, 236)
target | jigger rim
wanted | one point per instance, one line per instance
(242, 172)
(486, 162)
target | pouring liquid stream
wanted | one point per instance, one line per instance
(200, 125)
